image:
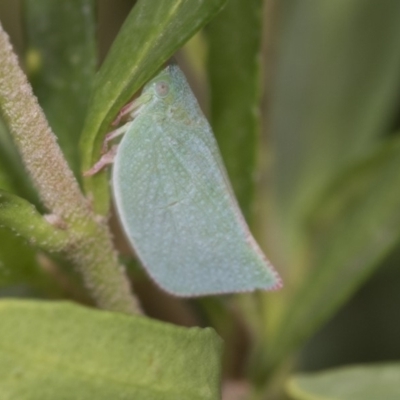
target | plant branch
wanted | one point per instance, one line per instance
(89, 244)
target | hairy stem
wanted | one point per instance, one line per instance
(89, 244)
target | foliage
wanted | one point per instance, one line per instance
(302, 100)
(350, 383)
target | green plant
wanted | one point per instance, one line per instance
(309, 165)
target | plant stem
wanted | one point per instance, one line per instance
(89, 246)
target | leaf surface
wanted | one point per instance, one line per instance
(61, 61)
(76, 352)
(234, 39)
(18, 262)
(151, 34)
(333, 95)
(23, 219)
(356, 224)
(363, 382)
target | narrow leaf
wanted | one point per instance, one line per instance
(13, 176)
(152, 32)
(18, 262)
(23, 219)
(358, 224)
(81, 353)
(364, 382)
(334, 92)
(61, 62)
(234, 38)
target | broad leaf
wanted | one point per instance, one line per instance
(365, 382)
(152, 32)
(75, 352)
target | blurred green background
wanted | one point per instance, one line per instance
(329, 113)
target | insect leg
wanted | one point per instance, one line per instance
(132, 107)
(112, 135)
(106, 158)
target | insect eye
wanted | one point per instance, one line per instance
(162, 88)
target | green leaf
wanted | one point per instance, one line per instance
(235, 40)
(61, 62)
(13, 177)
(17, 260)
(356, 224)
(334, 92)
(364, 382)
(152, 32)
(7, 180)
(76, 352)
(23, 219)
(18, 263)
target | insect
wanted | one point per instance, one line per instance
(174, 199)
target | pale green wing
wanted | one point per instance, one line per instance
(177, 209)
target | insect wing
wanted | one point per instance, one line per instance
(179, 213)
